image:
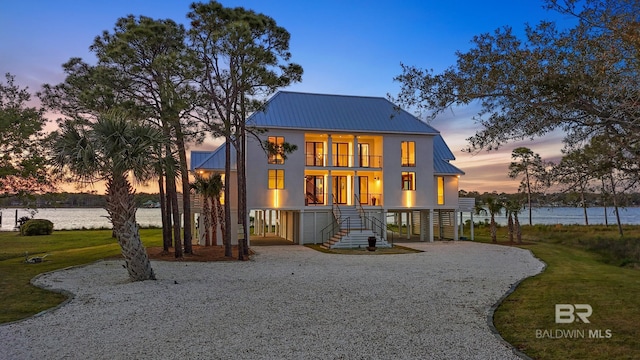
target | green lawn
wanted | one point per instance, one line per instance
(18, 297)
(585, 265)
(579, 271)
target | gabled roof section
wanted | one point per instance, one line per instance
(441, 149)
(212, 160)
(326, 112)
(441, 157)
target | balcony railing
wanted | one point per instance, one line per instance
(368, 161)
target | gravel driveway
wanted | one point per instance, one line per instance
(290, 302)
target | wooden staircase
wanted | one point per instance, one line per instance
(353, 233)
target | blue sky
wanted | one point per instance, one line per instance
(345, 47)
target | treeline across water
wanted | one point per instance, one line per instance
(561, 199)
(71, 200)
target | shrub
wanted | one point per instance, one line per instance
(36, 227)
(23, 220)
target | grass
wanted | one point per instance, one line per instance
(585, 265)
(19, 298)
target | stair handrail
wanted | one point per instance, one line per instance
(376, 224)
(334, 226)
(335, 207)
(361, 213)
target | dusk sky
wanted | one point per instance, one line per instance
(345, 47)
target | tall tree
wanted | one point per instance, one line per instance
(530, 166)
(513, 206)
(576, 171)
(582, 80)
(152, 59)
(109, 150)
(244, 57)
(22, 169)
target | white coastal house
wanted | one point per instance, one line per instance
(361, 164)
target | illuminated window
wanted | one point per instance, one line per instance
(440, 180)
(408, 180)
(340, 154)
(276, 143)
(408, 153)
(276, 179)
(315, 154)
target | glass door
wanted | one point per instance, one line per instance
(364, 189)
(363, 151)
(340, 189)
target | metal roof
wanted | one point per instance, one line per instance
(327, 112)
(443, 167)
(305, 111)
(212, 160)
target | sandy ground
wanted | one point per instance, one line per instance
(289, 302)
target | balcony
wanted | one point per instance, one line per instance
(347, 161)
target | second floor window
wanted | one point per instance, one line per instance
(408, 153)
(276, 149)
(276, 179)
(408, 180)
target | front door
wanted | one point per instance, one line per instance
(340, 189)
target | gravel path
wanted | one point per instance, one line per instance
(290, 302)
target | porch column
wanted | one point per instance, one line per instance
(356, 152)
(431, 225)
(423, 224)
(409, 225)
(329, 151)
(472, 226)
(356, 186)
(329, 189)
(300, 227)
(455, 226)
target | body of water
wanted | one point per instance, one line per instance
(92, 218)
(568, 216)
(77, 218)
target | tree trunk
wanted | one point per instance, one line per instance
(227, 196)
(214, 221)
(164, 212)
(186, 188)
(206, 223)
(242, 188)
(510, 227)
(584, 207)
(518, 228)
(615, 205)
(171, 188)
(493, 229)
(121, 207)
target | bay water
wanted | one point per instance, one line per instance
(94, 218)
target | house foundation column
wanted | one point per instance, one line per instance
(431, 225)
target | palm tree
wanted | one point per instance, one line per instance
(109, 150)
(513, 208)
(209, 188)
(494, 207)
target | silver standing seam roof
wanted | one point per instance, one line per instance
(325, 112)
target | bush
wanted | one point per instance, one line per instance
(36, 227)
